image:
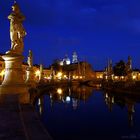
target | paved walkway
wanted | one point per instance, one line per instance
(19, 121)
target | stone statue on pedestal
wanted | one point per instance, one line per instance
(17, 31)
(41, 72)
(29, 72)
(13, 82)
(129, 69)
(30, 59)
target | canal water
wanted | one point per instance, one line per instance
(86, 113)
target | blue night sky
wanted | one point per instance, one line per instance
(95, 29)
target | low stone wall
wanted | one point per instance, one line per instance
(132, 88)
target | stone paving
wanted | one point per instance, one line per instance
(19, 121)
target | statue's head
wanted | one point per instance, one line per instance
(30, 53)
(15, 7)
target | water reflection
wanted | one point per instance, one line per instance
(110, 100)
(91, 104)
(67, 95)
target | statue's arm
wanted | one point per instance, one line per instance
(21, 17)
(10, 17)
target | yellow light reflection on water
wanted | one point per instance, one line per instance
(59, 91)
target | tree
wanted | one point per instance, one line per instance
(120, 68)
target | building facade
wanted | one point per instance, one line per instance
(36, 71)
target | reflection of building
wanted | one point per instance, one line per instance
(131, 110)
(111, 100)
(74, 103)
(41, 105)
(69, 95)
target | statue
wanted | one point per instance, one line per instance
(17, 31)
(30, 59)
(41, 72)
(129, 64)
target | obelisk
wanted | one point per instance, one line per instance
(13, 82)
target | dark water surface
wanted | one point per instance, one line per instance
(84, 113)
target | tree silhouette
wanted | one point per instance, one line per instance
(120, 68)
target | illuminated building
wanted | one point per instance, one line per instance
(74, 57)
(99, 74)
(75, 70)
(131, 74)
(108, 73)
(80, 70)
(36, 71)
(1, 68)
(65, 61)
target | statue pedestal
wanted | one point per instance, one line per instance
(13, 82)
(30, 77)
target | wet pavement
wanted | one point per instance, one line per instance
(20, 121)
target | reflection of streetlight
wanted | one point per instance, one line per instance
(59, 91)
(106, 95)
(68, 99)
(113, 100)
(39, 101)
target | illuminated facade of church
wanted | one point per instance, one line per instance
(66, 60)
(72, 69)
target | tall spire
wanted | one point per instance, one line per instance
(74, 57)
